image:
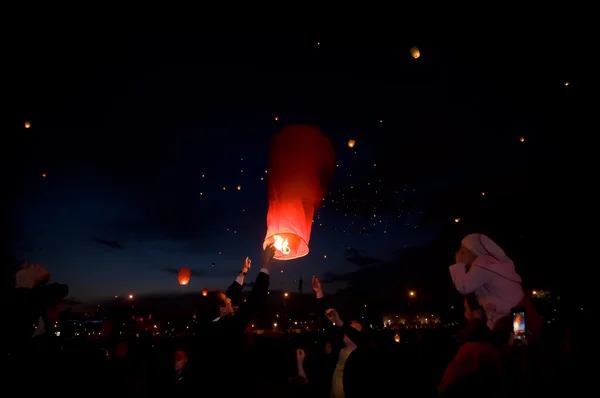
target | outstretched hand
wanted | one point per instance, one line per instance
(31, 275)
(316, 285)
(247, 264)
(267, 255)
(334, 317)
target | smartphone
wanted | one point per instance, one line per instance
(518, 318)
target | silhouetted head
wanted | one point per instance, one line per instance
(225, 306)
(180, 360)
(356, 325)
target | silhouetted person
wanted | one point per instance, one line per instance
(223, 354)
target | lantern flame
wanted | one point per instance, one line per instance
(282, 245)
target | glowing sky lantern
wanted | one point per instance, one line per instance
(184, 276)
(301, 165)
(27, 125)
(414, 52)
(351, 143)
(205, 292)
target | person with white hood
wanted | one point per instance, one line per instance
(492, 278)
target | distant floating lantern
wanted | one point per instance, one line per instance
(456, 219)
(44, 175)
(483, 194)
(301, 165)
(27, 125)
(239, 187)
(276, 118)
(521, 139)
(351, 143)
(184, 276)
(566, 84)
(397, 338)
(205, 292)
(414, 52)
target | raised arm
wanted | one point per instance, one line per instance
(322, 300)
(353, 334)
(234, 290)
(258, 295)
(467, 282)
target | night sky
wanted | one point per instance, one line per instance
(137, 147)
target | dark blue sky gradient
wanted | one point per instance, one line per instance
(131, 133)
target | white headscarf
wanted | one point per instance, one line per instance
(482, 246)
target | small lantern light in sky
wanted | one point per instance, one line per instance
(351, 143)
(276, 118)
(521, 139)
(130, 296)
(205, 292)
(397, 338)
(44, 175)
(27, 125)
(184, 276)
(414, 52)
(457, 219)
(566, 84)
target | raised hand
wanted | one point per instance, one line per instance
(247, 263)
(31, 275)
(316, 284)
(333, 317)
(267, 256)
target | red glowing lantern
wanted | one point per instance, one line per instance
(184, 276)
(205, 292)
(301, 164)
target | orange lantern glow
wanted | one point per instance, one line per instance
(205, 292)
(351, 143)
(301, 164)
(414, 52)
(184, 276)
(27, 125)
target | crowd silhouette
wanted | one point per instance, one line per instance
(485, 358)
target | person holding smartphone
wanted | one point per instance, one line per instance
(494, 281)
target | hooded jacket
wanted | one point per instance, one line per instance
(495, 283)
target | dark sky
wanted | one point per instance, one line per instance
(138, 136)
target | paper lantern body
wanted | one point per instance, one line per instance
(184, 276)
(205, 292)
(414, 51)
(301, 165)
